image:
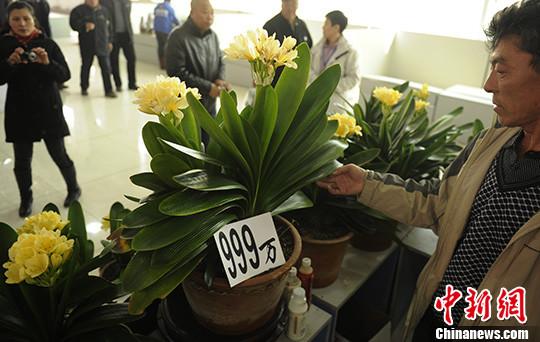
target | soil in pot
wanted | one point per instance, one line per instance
(249, 305)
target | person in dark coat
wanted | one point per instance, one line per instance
(93, 23)
(42, 11)
(194, 56)
(120, 11)
(287, 24)
(32, 65)
(3, 5)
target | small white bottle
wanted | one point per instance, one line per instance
(292, 282)
(298, 307)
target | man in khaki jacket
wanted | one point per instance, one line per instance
(486, 209)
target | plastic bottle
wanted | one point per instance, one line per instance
(292, 282)
(305, 273)
(296, 329)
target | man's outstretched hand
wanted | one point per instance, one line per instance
(346, 180)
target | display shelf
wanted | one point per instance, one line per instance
(318, 326)
(422, 241)
(356, 268)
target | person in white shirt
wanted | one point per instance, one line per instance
(332, 49)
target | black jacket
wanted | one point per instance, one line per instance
(97, 40)
(42, 10)
(196, 59)
(33, 107)
(282, 28)
(126, 14)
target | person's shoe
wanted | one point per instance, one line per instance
(84, 92)
(111, 94)
(119, 88)
(133, 87)
(25, 209)
(62, 86)
(72, 196)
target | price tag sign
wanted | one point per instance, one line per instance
(249, 247)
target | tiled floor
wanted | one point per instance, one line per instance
(105, 144)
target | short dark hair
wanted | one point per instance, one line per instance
(338, 18)
(20, 4)
(523, 20)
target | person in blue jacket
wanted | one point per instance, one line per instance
(164, 21)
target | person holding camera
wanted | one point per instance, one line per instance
(33, 65)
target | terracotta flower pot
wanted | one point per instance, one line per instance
(245, 307)
(326, 257)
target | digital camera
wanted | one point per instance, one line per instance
(29, 56)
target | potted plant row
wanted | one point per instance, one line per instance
(398, 137)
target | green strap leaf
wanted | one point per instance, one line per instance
(298, 200)
(216, 133)
(204, 231)
(233, 126)
(109, 315)
(78, 229)
(264, 115)
(167, 232)
(140, 300)
(189, 202)
(203, 181)
(145, 215)
(51, 207)
(197, 154)
(149, 181)
(166, 166)
(364, 157)
(290, 90)
(191, 129)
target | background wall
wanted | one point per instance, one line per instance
(440, 61)
(437, 59)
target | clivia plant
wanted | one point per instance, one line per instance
(257, 161)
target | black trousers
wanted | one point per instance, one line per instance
(161, 42)
(104, 65)
(23, 152)
(123, 41)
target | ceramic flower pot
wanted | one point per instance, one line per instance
(245, 307)
(326, 257)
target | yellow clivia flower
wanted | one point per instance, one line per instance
(49, 220)
(347, 125)
(165, 95)
(388, 97)
(36, 265)
(420, 105)
(422, 93)
(37, 257)
(264, 53)
(15, 273)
